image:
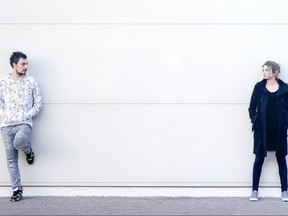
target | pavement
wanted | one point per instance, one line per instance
(142, 206)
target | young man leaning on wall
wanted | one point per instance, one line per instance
(20, 101)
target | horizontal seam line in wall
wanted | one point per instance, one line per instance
(146, 103)
(145, 186)
(156, 24)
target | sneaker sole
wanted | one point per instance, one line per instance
(253, 199)
(16, 199)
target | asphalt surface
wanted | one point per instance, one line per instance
(142, 206)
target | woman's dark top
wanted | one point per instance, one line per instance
(271, 121)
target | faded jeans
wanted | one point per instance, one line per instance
(16, 138)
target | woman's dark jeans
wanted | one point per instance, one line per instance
(258, 163)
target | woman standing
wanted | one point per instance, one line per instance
(268, 113)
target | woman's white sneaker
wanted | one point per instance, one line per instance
(254, 196)
(284, 196)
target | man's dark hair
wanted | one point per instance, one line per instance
(14, 58)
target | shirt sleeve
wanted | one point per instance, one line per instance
(37, 101)
(1, 100)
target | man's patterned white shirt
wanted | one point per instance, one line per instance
(20, 100)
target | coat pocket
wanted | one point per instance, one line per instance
(255, 122)
(286, 120)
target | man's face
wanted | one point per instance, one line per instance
(21, 67)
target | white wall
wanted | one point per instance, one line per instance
(142, 92)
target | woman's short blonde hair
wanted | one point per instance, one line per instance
(275, 67)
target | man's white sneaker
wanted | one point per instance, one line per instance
(254, 196)
(284, 196)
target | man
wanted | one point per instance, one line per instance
(20, 101)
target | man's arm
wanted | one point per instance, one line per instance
(37, 101)
(1, 100)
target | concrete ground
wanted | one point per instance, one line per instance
(142, 206)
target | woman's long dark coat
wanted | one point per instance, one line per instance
(257, 114)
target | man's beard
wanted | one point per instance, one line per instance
(22, 73)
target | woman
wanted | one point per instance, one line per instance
(268, 113)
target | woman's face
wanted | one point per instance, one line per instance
(268, 73)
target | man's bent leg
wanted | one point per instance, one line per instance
(22, 141)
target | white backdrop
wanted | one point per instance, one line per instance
(144, 93)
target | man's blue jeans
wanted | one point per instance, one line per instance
(16, 138)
